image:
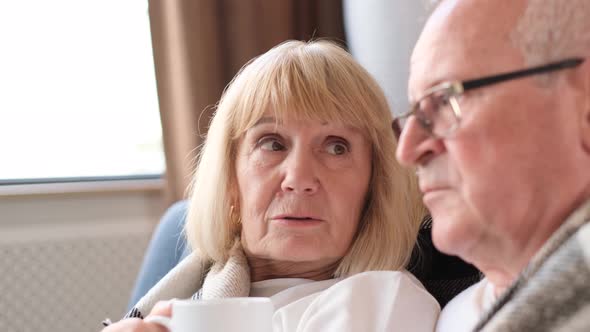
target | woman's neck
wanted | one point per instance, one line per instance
(264, 269)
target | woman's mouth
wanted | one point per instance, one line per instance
(297, 220)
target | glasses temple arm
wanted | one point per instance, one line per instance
(473, 84)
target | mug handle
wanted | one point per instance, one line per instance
(160, 320)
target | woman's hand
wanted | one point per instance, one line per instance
(162, 308)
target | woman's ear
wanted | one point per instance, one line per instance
(234, 200)
(585, 116)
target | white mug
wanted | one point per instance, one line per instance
(234, 314)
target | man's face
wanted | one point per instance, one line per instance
(491, 182)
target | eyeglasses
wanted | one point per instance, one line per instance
(438, 110)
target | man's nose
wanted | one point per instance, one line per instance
(416, 146)
(300, 175)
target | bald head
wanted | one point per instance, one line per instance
(466, 33)
(545, 30)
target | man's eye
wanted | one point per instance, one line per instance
(271, 144)
(337, 148)
(442, 101)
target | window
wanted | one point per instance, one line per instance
(77, 90)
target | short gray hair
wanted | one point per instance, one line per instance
(551, 30)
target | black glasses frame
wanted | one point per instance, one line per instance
(456, 88)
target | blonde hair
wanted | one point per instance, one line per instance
(315, 80)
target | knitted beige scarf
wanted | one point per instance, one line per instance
(195, 277)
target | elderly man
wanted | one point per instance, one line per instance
(499, 133)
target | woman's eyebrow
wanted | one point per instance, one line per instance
(271, 119)
(353, 129)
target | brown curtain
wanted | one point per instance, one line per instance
(199, 45)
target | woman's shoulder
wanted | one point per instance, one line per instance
(373, 301)
(385, 284)
(385, 278)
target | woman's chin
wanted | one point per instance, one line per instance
(299, 249)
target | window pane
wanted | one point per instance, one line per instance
(77, 90)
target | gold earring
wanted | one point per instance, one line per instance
(234, 216)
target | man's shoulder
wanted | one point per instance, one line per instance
(572, 250)
(555, 296)
(570, 256)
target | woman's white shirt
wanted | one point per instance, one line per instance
(369, 301)
(464, 311)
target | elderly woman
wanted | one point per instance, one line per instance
(297, 195)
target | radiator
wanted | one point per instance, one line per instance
(68, 278)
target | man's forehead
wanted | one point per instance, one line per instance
(463, 39)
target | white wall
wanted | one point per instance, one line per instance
(381, 35)
(69, 260)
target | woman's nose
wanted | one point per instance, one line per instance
(416, 146)
(300, 175)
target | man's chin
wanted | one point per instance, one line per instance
(451, 236)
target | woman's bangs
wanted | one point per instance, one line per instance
(298, 87)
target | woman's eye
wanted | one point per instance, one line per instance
(271, 144)
(337, 148)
